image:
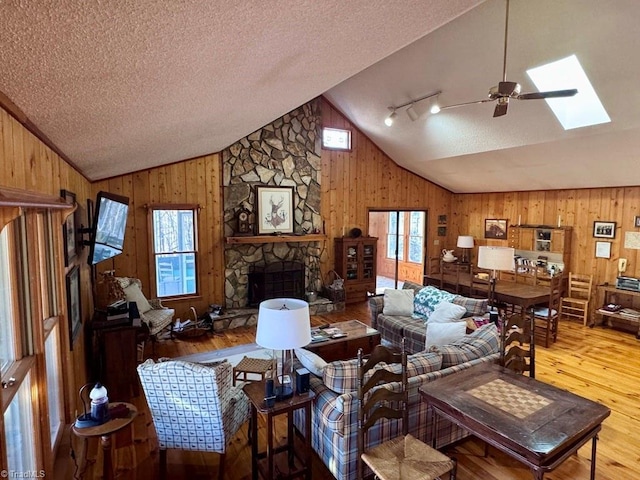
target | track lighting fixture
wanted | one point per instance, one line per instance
(411, 111)
(389, 120)
(413, 115)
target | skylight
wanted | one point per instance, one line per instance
(584, 108)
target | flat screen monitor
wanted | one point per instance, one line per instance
(109, 227)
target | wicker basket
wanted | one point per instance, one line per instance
(334, 291)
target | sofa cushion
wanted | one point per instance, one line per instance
(398, 302)
(311, 361)
(133, 294)
(480, 343)
(444, 333)
(423, 362)
(427, 298)
(446, 312)
(474, 306)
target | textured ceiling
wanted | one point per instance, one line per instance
(125, 85)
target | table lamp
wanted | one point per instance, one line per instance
(283, 324)
(465, 242)
(494, 259)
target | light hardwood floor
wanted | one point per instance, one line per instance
(600, 363)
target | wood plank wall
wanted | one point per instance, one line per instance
(576, 208)
(197, 181)
(366, 178)
(27, 163)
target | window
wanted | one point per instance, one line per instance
(7, 334)
(413, 243)
(175, 248)
(336, 139)
(395, 235)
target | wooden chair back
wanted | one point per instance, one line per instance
(527, 274)
(480, 286)
(450, 275)
(580, 286)
(383, 402)
(546, 318)
(517, 343)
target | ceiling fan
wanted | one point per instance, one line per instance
(505, 90)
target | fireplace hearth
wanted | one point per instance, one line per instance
(276, 280)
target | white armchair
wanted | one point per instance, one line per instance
(193, 406)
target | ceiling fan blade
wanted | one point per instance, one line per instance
(552, 94)
(500, 110)
(485, 100)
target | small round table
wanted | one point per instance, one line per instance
(105, 431)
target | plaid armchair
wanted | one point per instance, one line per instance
(193, 406)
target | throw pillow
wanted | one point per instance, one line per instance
(134, 294)
(447, 312)
(425, 301)
(473, 306)
(398, 302)
(444, 333)
(311, 361)
(480, 343)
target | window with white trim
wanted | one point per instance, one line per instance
(174, 238)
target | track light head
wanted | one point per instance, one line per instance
(413, 115)
(435, 108)
(389, 120)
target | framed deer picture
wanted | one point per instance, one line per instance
(275, 210)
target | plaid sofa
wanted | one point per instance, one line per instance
(393, 328)
(334, 417)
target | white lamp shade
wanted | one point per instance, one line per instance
(465, 241)
(283, 324)
(496, 258)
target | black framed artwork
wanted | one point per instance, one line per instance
(495, 228)
(74, 308)
(69, 229)
(604, 229)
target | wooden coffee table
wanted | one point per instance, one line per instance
(358, 335)
(536, 423)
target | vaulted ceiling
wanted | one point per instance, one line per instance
(127, 85)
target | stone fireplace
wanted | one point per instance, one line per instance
(276, 280)
(285, 153)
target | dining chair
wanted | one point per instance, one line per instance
(576, 303)
(517, 343)
(403, 457)
(450, 275)
(193, 406)
(546, 317)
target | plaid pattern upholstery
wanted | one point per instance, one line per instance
(193, 407)
(480, 343)
(334, 422)
(473, 306)
(341, 376)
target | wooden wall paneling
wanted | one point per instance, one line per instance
(629, 211)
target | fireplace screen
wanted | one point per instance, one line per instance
(276, 280)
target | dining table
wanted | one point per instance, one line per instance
(523, 294)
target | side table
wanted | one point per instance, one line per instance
(105, 431)
(269, 464)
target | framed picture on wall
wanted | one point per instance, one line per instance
(442, 219)
(636, 222)
(69, 229)
(495, 228)
(442, 231)
(275, 210)
(74, 310)
(603, 249)
(604, 229)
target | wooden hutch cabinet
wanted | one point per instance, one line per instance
(356, 264)
(549, 244)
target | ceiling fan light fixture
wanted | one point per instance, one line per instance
(389, 120)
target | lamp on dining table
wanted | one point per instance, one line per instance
(495, 259)
(283, 324)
